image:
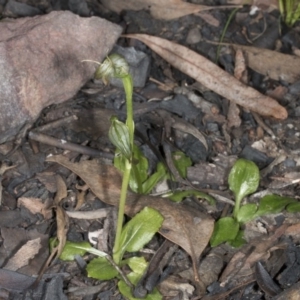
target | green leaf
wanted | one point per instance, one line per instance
(139, 172)
(181, 162)
(226, 229)
(100, 268)
(140, 230)
(152, 181)
(137, 264)
(246, 213)
(293, 207)
(179, 196)
(243, 178)
(74, 248)
(140, 182)
(239, 240)
(119, 136)
(272, 204)
(126, 292)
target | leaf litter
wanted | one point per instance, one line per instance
(166, 10)
(212, 77)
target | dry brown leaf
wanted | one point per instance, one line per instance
(62, 220)
(212, 77)
(166, 10)
(184, 226)
(262, 4)
(24, 254)
(48, 179)
(240, 67)
(276, 65)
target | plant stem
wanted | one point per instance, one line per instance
(237, 207)
(117, 253)
(128, 87)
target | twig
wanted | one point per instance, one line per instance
(48, 140)
(89, 215)
(122, 274)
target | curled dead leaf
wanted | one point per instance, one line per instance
(212, 77)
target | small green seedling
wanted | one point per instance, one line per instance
(290, 11)
(244, 180)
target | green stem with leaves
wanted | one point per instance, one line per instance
(117, 253)
(121, 135)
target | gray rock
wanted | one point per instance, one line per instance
(41, 63)
(139, 66)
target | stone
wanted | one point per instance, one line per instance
(42, 63)
(139, 66)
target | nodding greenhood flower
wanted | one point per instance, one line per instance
(114, 65)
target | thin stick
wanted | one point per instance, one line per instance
(48, 140)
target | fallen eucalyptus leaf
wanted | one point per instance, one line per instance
(212, 77)
(183, 225)
(166, 10)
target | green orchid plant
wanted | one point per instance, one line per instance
(136, 233)
(243, 180)
(290, 11)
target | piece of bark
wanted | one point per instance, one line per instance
(41, 61)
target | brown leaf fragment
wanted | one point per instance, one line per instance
(212, 77)
(233, 116)
(62, 221)
(61, 190)
(48, 179)
(24, 255)
(35, 206)
(240, 66)
(183, 225)
(276, 65)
